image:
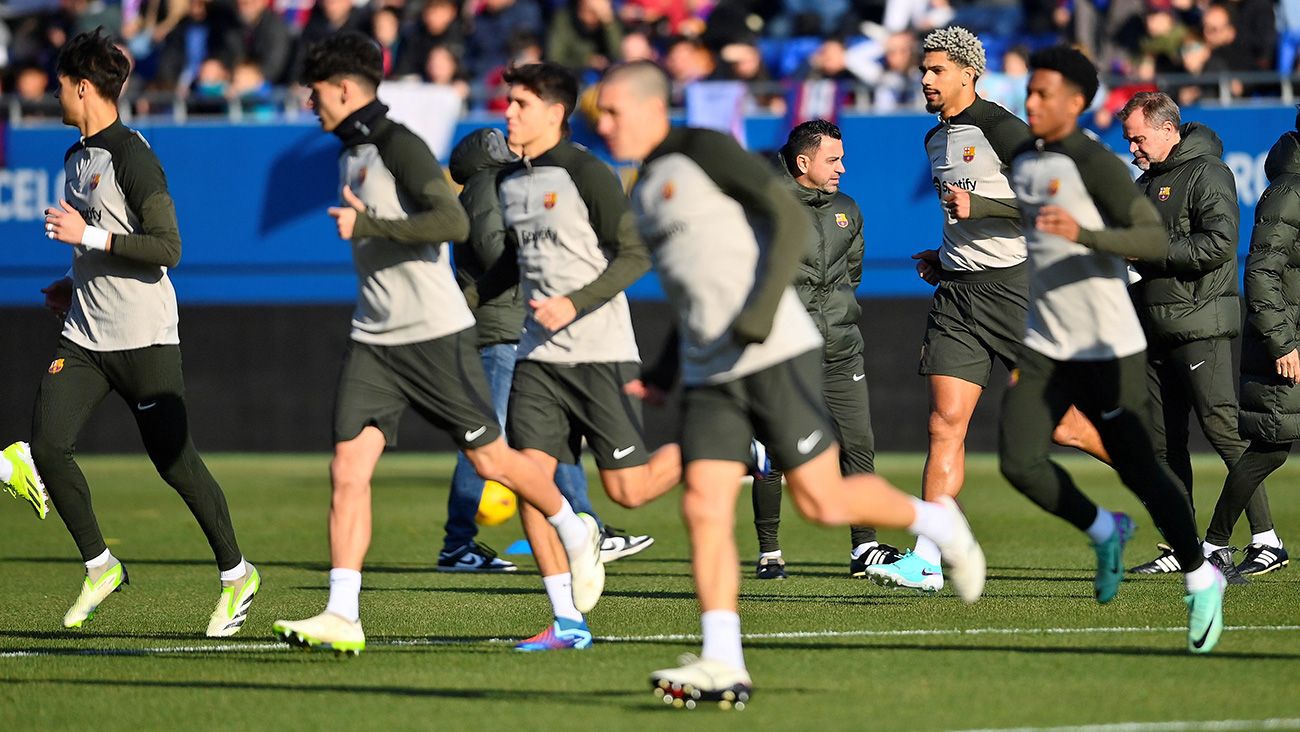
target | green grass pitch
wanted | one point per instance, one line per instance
(826, 652)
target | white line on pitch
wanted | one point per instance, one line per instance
(409, 642)
(1215, 725)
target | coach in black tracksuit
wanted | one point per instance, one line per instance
(1188, 303)
(828, 277)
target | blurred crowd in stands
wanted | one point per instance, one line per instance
(213, 51)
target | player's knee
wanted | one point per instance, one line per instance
(47, 453)
(1067, 436)
(625, 495)
(347, 477)
(818, 509)
(947, 423)
(488, 463)
(1019, 470)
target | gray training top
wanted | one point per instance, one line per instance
(575, 238)
(407, 290)
(973, 150)
(726, 237)
(123, 300)
(1079, 305)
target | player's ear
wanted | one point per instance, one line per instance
(802, 162)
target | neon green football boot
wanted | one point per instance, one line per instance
(25, 483)
(100, 582)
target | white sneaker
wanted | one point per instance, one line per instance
(962, 555)
(585, 567)
(99, 584)
(234, 603)
(325, 632)
(700, 679)
(617, 543)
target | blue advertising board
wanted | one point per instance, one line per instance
(251, 201)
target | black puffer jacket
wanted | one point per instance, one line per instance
(474, 164)
(831, 268)
(1270, 405)
(1192, 294)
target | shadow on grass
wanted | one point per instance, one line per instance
(589, 697)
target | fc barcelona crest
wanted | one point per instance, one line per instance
(668, 191)
(968, 153)
(548, 200)
(94, 181)
(1163, 193)
(1053, 186)
(56, 365)
(841, 221)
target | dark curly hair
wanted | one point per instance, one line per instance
(1070, 63)
(94, 57)
(346, 53)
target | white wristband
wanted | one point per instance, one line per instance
(95, 238)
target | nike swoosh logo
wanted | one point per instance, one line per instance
(807, 444)
(1197, 366)
(621, 453)
(1112, 414)
(928, 573)
(146, 407)
(1204, 636)
(859, 377)
(471, 435)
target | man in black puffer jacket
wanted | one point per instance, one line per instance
(1270, 366)
(1188, 304)
(828, 278)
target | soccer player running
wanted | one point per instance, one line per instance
(827, 281)
(1270, 364)
(1084, 345)
(413, 340)
(726, 237)
(1188, 302)
(120, 332)
(577, 251)
(474, 163)
(978, 312)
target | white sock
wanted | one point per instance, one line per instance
(928, 550)
(100, 560)
(1103, 526)
(559, 587)
(1200, 578)
(572, 530)
(345, 593)
(6, 469)
(230, 575)
(932, 526)
(862, 548)
(722, 637)
(770, 555)
(1207, 548)
(1268, 538)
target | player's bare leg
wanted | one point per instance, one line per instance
(1076, 431)
(637, 486)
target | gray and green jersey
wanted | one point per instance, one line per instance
(1079, 305)
(726, 237)
(575, 238)
(407, 289)
(973, 150)
(122, 300)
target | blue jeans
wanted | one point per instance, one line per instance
(467, 486)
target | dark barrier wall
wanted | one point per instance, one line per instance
(251, 201)
(262, 378)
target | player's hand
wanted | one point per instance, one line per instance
(58, 296)
(64, 224)
(648, 393)
(554, 313)
(956, 202)
(927, 265)
(345, 217)
(1056, 220)
(1288, 367)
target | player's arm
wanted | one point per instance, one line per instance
(857, 249)
(1133, 226)
(744, 178)
(611, 219)
(157, 240)
(1277, 229)
(438, 216)
(993, 208)
(1215, 218)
